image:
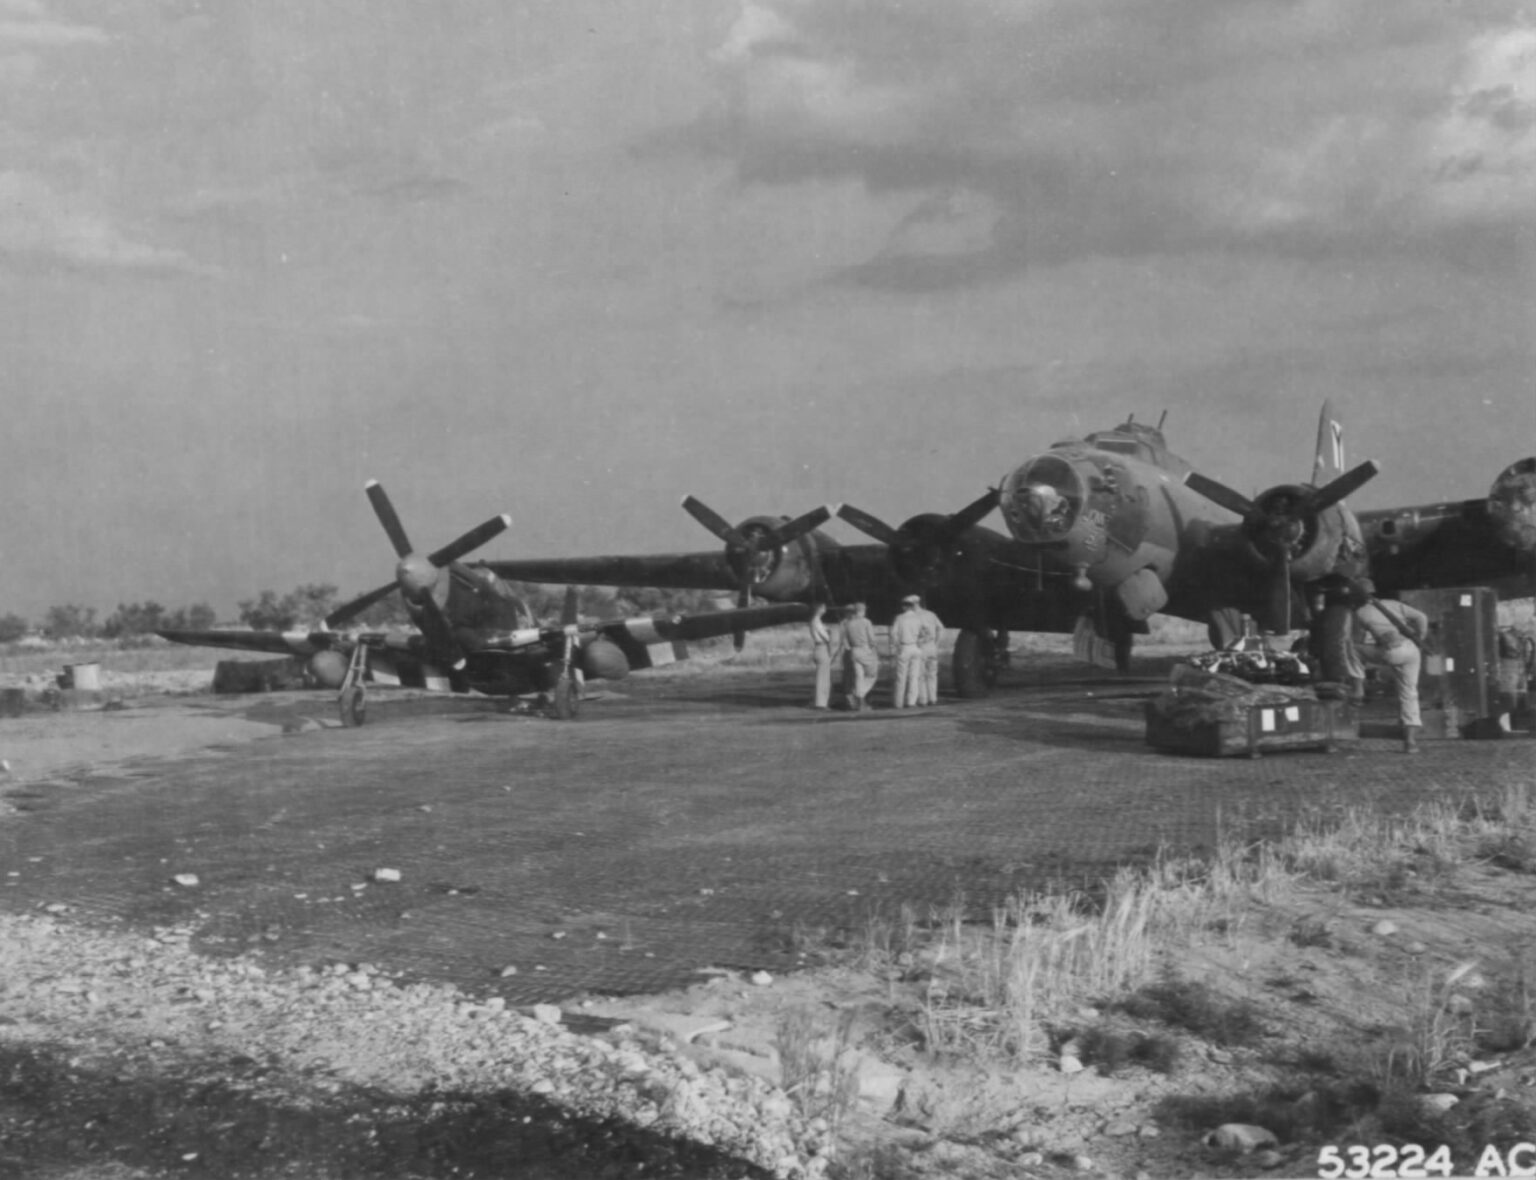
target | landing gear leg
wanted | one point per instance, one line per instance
(973, 666)
(351, 700)
(566, 698)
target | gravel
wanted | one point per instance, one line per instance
(150, 1000)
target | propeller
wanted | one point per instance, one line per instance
(1282, 522)
(921, 545)
(752, 549)
(416, 576)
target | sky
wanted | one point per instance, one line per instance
(574, 259)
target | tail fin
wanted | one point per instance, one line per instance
(1328, 462)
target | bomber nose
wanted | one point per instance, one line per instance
(1042, 499)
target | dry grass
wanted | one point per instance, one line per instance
(1008, 988)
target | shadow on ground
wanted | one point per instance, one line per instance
(221, 1118)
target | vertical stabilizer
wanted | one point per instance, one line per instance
(1328, 462)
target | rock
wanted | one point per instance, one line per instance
(1241, 1137)
(1029, 1159)
(1384, 928)
(1219, 1056)
(1082, 1163)
(1438, 1103)
(1415, 948)
(1069, 1064)
(546, 1013)
(186, 880)
(386, 874)
(1268, 1158)
(508, 971)
(1458, 1004)
(761, 979)
(879, 1083)
(1477, 1067)
(1119, 1128)
(1148, 1131)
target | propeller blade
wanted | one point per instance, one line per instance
(470, 541)
(1346, 485)
(439, 633)
(866, 523)
(714, 522)
(797, 528)
(1219, 493)
(350, 610)
(385, 511)
(972, 514)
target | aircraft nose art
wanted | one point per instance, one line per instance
(1043, 499)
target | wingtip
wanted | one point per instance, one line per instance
(372, 483)
(506, 520)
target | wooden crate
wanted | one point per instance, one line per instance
(1262, 729)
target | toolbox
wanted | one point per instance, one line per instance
(1253, 730)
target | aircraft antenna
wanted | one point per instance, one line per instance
(1163, 418)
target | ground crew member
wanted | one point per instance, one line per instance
(906, 648)
(928, 644)
(826, 648)
(1398, 630)
(859, 643)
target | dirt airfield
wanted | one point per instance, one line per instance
(302, 934)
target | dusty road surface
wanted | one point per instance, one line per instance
(681, 824)
(239, 940)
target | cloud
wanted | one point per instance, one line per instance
(38, 227)
(1123, 127)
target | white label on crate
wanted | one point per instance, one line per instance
(1466, 600)
(1293, 713)
(1450, 664)
(1267, 720)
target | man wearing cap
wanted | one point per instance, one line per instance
(1398, 630)
(859, 646)
(906, 648)
(826, 647)
(928, 644)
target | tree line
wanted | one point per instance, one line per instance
(307, 605)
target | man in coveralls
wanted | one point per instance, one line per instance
(928, 644)
(906, 647)
(1398, 630)
(859, 643)
(826, 647)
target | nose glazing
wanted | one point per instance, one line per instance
(1042, 499)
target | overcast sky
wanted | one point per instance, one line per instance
(573, 259)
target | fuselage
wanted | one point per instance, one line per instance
(1112, 505)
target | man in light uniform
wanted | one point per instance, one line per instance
(928, 644)
(826, 647)
(1397, 629)
(859, 642)
(906, 648)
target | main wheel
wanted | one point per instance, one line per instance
(354, 706)
(567, 698)
(971, 667)
(1334, 638)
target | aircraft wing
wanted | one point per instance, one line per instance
(682, 571)
(282, 643)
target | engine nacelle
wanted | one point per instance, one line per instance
(1314, 540)
(328, 668)
(1512, 502)
(602, 659)
(777, 572)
